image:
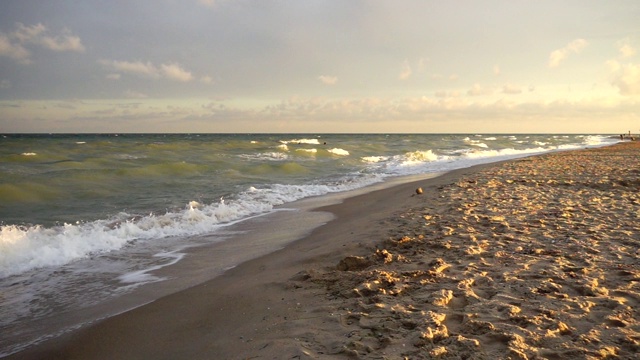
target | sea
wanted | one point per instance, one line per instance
(92, 225)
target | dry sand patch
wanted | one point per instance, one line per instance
(533, 258)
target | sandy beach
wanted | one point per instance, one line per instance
(536, 258)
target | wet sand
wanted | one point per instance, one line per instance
(531, 258)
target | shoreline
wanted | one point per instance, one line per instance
(289, 303)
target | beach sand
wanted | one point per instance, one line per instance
(536, 258)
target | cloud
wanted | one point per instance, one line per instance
(206, 80)
(452, 77)
(478, 90)
(557, 56)
(133, 67)
(422, 64)
(176, 72)
(13, 45)
(39, 34)
(5, 84)
(446, 94)
(626, 51)
(12, 50)
(406, 71)
(113, 76)
(328, 80)
(170, 71)
(626, 77)
(135, 95)
(511, 89)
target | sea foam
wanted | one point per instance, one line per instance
(25, 247)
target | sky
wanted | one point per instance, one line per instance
(310, 66)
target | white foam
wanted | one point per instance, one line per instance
(339, 152)
(23, 248)
(301, 141)
(483, 154)
(475, 142)
(479, 144)
(26, 248)
(267, 156)
(144, 276)
(311, 151)
(417, 157)
(374, 159)
(28, 154)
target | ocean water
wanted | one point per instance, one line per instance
(91, 219)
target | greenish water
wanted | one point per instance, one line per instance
(85, 218)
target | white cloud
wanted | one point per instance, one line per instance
(496, 70)
(206, 80)
(577, 45)
(65, 43)
(406, 71)
(168, 71)
(133, 67)
(557, 56)
(328, 80)
(446, 94)
(626, 51)
(614, 66)
(114, 76)
(626, 77)
(12, 50)
(422, 64)
(176, 72)
(478, 90)
(135, 95)
(511, 89)
(13, 45)
(28, 33)
(39, 34)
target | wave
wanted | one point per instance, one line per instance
(27, 247)
(374, 159)
(301, 141)
(267, 156)
(23, 248)
(339, 152)
(28, 192)
(417, 157)
(309, 151)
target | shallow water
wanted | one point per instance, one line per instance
(89, 220)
